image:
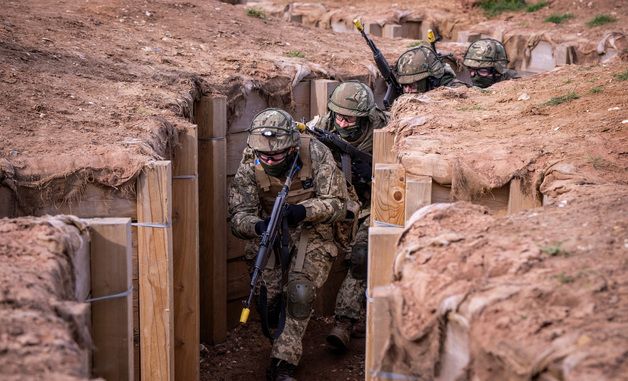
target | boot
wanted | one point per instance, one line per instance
(340, 335)
(280, 370)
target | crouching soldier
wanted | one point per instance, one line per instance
(419, 70)
(352, 116)
(487, 62)
(315, 200)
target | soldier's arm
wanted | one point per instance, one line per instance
(244, 204)
(331, 189)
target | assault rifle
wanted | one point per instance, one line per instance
(269, 237)
(349, 155)
(394, 89)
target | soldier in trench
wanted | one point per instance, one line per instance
(486, 60)
(419, 70)
(353, 115)
(316, 199)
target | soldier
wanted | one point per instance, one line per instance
(315, 200)
(420, 70)
(353, 115)
(486, 61)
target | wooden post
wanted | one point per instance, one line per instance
(518, 200)
(320, 89)
(418, 194)
(388, 194)
(392, 31)
(185, 246)
(381, 256)
(378, 328)
(112, 320)
(383, 142)
(154, 233)
(212, 169)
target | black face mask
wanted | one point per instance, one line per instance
(484, 82)
(279, 170)
(352, 133)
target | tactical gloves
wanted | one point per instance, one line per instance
(261, 226)
(294, 214)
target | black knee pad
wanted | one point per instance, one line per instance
(359, 261)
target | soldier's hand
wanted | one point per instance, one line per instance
(361, 171)
(261, 226)
(294, 214)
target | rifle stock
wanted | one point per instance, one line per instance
(268, 238)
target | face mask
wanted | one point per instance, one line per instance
(483, 82)
(278, 170)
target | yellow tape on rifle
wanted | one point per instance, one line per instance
(244, 317)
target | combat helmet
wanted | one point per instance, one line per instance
(352, 98)
(417, 64)
(273, 130)
(486, 53)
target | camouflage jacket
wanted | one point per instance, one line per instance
(245, 208)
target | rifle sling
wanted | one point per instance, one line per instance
(263, 309)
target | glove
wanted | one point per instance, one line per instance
(361, 171)
(261, 226)
(294, 214)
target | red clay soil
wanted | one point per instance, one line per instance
(246, 354)
(43, 330)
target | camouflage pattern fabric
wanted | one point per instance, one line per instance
(418, 63)
(352, 98)
(321, 211)
(351, 297)
(485, 53)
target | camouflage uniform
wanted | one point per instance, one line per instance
(320, 188)
(350, 299)
(422, 67)
(488, 53)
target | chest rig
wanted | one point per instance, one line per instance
(301, 189)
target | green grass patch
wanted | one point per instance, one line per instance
(559, 18)
(601, 20)
(554, 250)
(418, 43)
(555, 101)
(295, 53)
(564, 278)
(493, 8)
(256, 12)
(535, 7)
(623, 76)
(596, 90)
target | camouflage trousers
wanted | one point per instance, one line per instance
(318, 261)
(351, 298)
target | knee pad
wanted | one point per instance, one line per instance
(359, 261)
(301, 295)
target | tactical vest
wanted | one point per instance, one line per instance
(302, 187)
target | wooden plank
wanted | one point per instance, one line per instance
(411, 29)
(378, 329)
(236, 247)
(95, 201)
(383, 142)
(245, 110)
(301, 97)
(238, 279)
(381, 255)
(8, 203)
(519, 199)
(211, 116)
(388, 194)
(440, 193)
(392, 31)
(418, 194)
(320, 90)
(496, 200)
(112, 320)
(434, 165)
(236, 143)
(185, 248)
(154, 208)
(213, 239)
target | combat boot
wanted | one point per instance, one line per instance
(280, 370)
(340, 335)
